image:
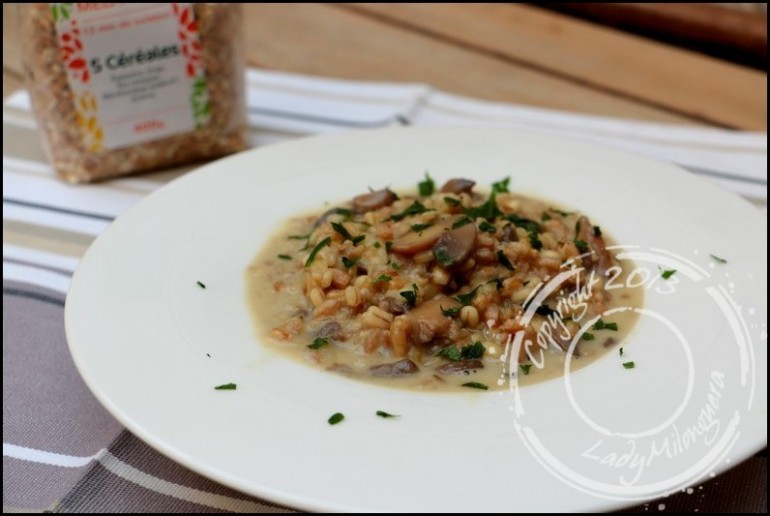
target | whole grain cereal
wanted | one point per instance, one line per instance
(124, 88)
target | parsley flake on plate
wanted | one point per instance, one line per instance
(335, 418)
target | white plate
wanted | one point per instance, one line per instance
(140, 330)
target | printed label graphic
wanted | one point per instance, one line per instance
(135, 70)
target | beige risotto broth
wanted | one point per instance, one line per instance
(433, 291)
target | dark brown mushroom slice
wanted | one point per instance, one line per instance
(398, 369)
(510, 234)
(325, 216)
(373, 200)
(417, 241)
(392, 305)
(455, 246)
(341, 368)
(458, 186)
(428, 322)
(599, 253)
(460, 367)
(331, 330)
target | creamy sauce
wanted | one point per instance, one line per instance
(276, 291)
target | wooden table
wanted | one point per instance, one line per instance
(504, 52)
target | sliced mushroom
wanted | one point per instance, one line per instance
(427, 321)
(392, 305)
(340, 368)
(600, 255)
(460, 367)
(401, 368)
(331, 330)
(458, 186)
(324, 216)
(510, 234)
(373, 200)
(455, 246)
(415, 242)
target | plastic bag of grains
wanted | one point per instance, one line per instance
(124, 88)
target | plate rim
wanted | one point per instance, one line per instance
(268, 493)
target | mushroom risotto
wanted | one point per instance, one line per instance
(437, 289)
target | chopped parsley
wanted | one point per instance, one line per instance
(469, 352)
(388, 245)
(382, 278)
(452, 353)
(451, 201)
(426, 187)
(442, 256)
(581, 245)
(487, 227)
(346, 213)
(501, 186)
(545, 217)
(588, 336)
(319, 343)
(629, 365)
(545, 311)
(201, 284)
(525, 368)
(395, 266)
(450, 312)
(377, 244)
(476, 385)
(562, 213)
(468, 296)
(410, 295)
(488, 210)
(504, 261)
(339, 228)
(621, 352)
(497, 281)
(336, 418)
(601, 325)
(718, 259)
(348, 262)
(461, 222)
(475, 350)
(522, 222)
(414, 209)
(284, 257)
(323, 243)
(534, 240)
(420, 227)
(299, 237)
(668, 273)
(530, 226)
(385, 415)
(226, 387)
(597, 231)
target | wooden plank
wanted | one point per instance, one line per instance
(635, 68)
(728, 33)
(12, 77)
(329, 41)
